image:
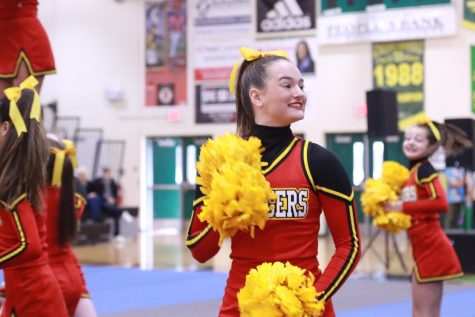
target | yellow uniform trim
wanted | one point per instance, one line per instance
(428, 179)
(437, 278)
(14, 203)
(22, 245)
(353, 255)
(335, 193)
(432, 190)
(281, 156)
(23, 57)
(199, 236)
(197, 201)
(305, 163)
(81, 200)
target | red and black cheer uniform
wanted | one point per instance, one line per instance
(62, 259)
(31, 288)
(23, 39)
(307, 179)
(424, 198)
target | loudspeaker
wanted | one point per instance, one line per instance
(467, 158)
(382, 113)
(463, 244)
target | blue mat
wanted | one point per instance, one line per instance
(116, 289)
(454, 304)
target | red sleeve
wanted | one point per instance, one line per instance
(341, 217)
(19, 235)
(201, 239)
(437, 201)
(336, 196)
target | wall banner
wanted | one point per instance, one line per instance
(393, 25)
(277, 18)
(400, 66)
(214, 104)
(469, 14)
(222, 17)
(165, 53)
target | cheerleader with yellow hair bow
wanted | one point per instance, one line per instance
(424, 198)
(275, 271)
(63, 214)
(31, 287)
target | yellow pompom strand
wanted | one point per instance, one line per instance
(277, 289)
(393, 222)
(395, 175)
(387, 188)
(237, 195)
(376, 194)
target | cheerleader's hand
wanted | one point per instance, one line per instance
(393, 206)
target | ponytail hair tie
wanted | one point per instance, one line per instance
(250, 55)
(13, 94)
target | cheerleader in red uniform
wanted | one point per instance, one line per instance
(63, 208)
(307, 179)
(424, 198)
(25, 49)
(31, 288)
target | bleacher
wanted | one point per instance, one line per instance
(94, 151)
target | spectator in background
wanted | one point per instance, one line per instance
(102, 195)
(305, 61)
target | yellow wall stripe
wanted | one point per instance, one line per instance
(22, 245)
(281, 156)
(352, 259)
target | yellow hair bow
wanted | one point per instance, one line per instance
(250, 55)
(420, 118)
(71, 152)
(13, 94)
(60, 155)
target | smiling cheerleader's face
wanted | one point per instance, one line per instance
(416, 143)
(282, 100)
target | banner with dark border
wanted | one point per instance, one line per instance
(400, 66)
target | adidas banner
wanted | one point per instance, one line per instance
(285, 16)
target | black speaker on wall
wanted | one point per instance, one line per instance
(467, 158)
(382, 113)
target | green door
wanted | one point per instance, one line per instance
(349, 148)
(174, 174)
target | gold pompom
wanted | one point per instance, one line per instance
(237, 195)
(395, 175)
(277, 289)
(386, 189)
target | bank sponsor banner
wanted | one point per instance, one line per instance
(398, 24)
(285, 18)
(221, 17)
(333, 7)
(469, 14)
(214, 103)
(399, 66)
(472, 49)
